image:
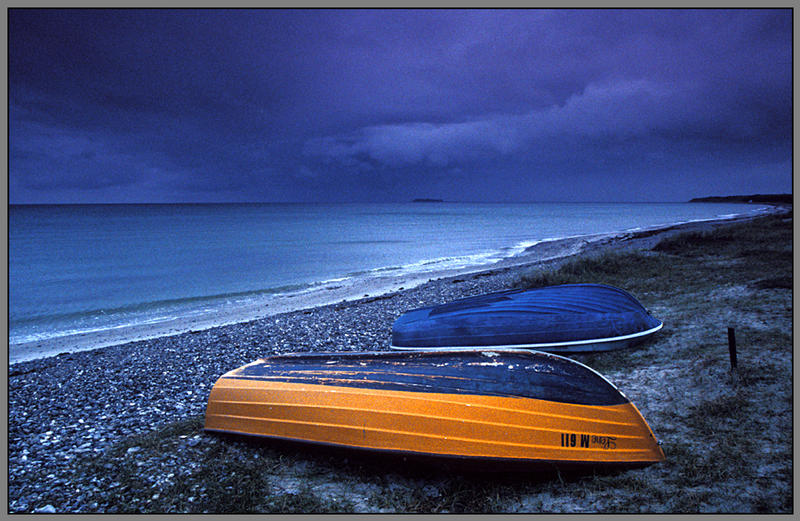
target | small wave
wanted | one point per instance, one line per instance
(161, 305)
(458, 261)
(331, 281)
(531, 244)
(440, 263)
(521, 247)
(690, 221)
(48, 326)
(48, 335)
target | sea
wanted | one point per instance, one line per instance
(76, 269)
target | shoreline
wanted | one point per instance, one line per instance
(335, 292)
(338, 292)
(70, 410)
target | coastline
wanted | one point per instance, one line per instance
(70, 410)
(337, 292)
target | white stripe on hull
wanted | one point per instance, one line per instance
(594, 345)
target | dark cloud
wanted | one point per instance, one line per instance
(316, 105)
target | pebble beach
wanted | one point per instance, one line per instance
(79, 403)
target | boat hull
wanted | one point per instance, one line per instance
(567, 319)
(455, 404)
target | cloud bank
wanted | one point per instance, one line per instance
(373, 105)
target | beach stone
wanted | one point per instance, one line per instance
(47, 509)
(94, 399)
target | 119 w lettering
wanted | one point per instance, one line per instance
(570, 439)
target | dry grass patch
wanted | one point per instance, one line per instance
(726, 433)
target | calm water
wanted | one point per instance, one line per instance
(93, 267)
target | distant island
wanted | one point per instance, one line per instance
(426, 200)
(757, 198)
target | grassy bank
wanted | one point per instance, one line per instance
(727, 434)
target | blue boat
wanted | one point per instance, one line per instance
(571, 318)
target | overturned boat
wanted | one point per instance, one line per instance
(522, 406)
(566, 319)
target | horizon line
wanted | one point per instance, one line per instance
(445, 201)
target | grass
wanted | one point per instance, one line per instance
(723, 435)
(727, 434)
(456, 496)
(611, 268)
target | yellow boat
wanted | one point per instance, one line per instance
(511, 405)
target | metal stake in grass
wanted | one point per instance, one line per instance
(732, 347)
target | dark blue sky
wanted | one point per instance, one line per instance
(389, 105)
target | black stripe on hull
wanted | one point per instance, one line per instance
(509, 373)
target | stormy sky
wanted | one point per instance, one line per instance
(390, 105)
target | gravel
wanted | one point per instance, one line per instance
(75, 404)
(80, 404)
